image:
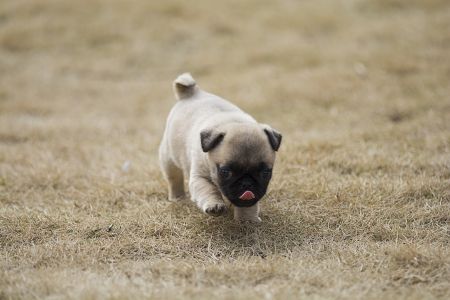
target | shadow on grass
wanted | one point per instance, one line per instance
(279, 233)
(181, 230)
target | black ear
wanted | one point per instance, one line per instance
(274, 138)
(210, 138)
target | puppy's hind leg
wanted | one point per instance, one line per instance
(174, 178)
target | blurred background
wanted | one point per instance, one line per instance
(87, 75)
(63, 61)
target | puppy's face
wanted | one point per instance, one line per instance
(241, 159)
(235, 179)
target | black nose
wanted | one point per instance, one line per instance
(246, 184)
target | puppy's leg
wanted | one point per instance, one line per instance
(247, 213)
(174, 178)
(206, 195)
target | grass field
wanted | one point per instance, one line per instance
(359, 206)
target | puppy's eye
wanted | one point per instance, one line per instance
(225, 173)
(266, 174)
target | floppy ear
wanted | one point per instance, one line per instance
(210, 138)
(274, 137)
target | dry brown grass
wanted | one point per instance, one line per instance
(359, 206)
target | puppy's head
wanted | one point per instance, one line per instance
(241, 158)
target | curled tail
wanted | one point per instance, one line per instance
(184, 86)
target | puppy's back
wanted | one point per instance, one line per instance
(195, 110)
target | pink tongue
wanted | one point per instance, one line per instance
(247, 195)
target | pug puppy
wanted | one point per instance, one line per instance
(224, 152)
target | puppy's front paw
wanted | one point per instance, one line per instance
(176, 198)
(215, 209)
(250, 214)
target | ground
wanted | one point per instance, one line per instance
(359, 206)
